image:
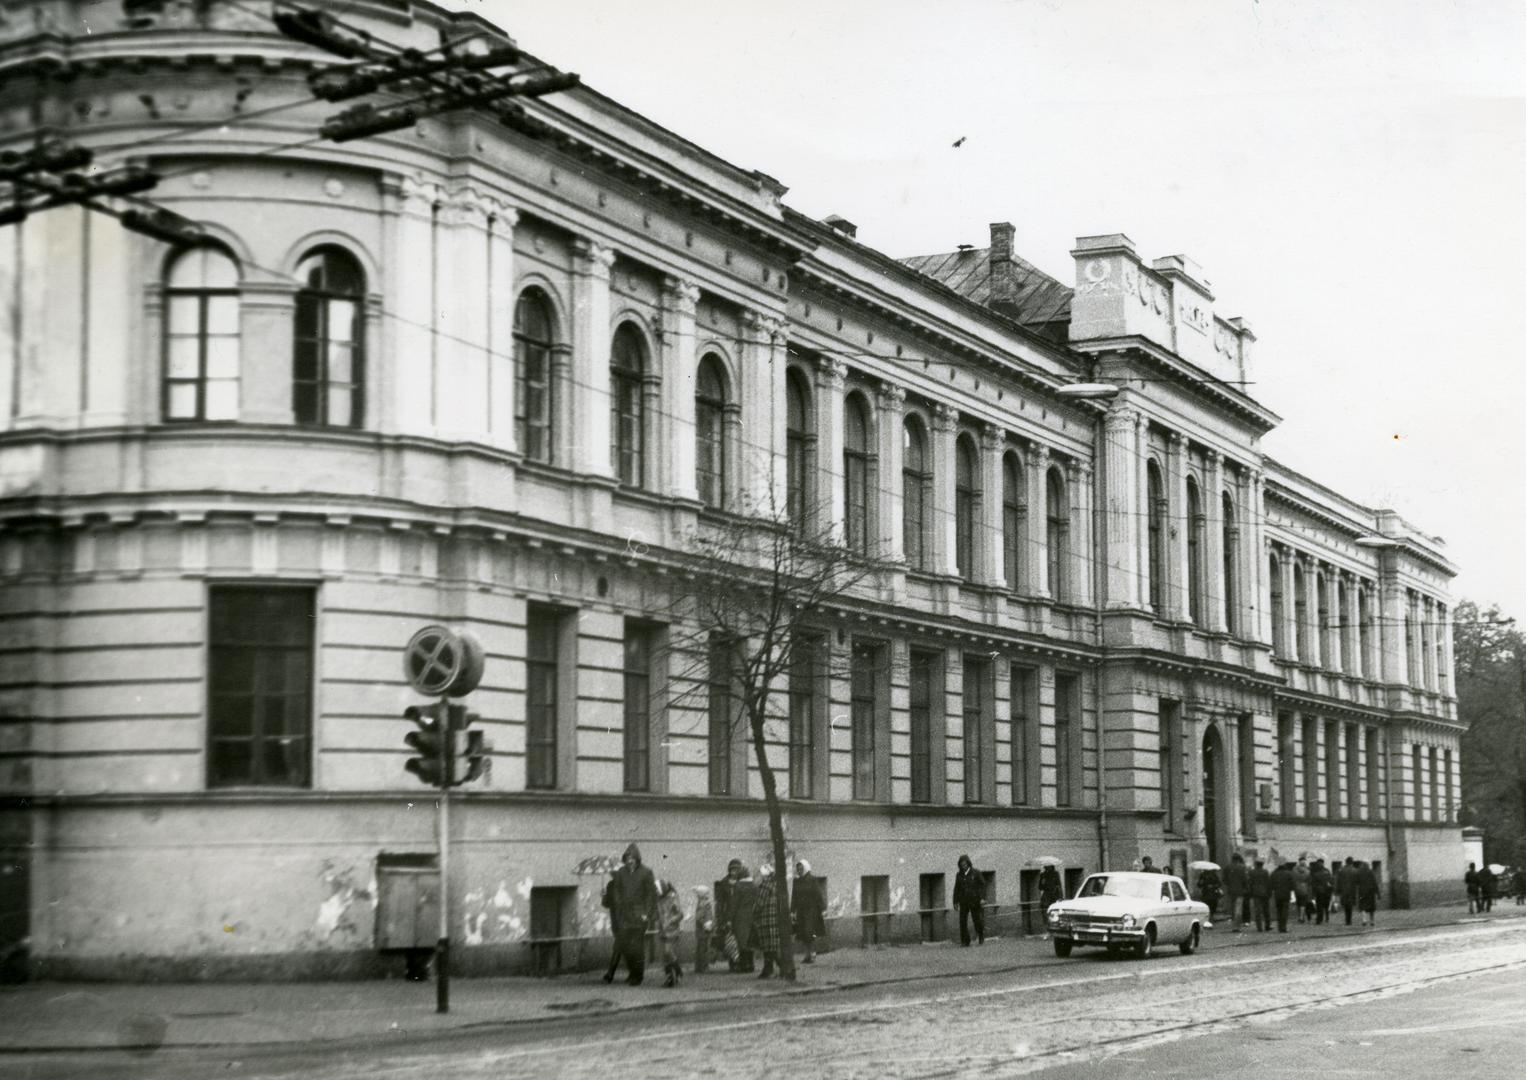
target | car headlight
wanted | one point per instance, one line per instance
(1054, 915)
(1127, 922)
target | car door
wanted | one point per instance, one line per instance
(1181, 904)
(1168, 917)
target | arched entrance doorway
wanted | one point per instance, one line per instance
(1215, 796)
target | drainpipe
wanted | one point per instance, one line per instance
(1098, 534)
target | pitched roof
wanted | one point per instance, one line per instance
(1038, 299)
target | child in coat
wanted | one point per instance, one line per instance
(670, 917)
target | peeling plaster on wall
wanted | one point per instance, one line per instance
(592, 916)
(473, 926)
(523, 888)
(334, 912)
(898, 898)
(501, 898)
(837, 906)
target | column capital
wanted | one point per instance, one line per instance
(505, 217)
(416, 197)
(763, 325)
(464, 206)
(992, 436)
(679, 294)
(1176, 441)
(892, 397)
(594, 259)
(1122, 416)
(1038, 454)
(944, 418)
(1214, 458)
(831, 371)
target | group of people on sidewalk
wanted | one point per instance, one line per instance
(739, 919)
(1484, 886)
(1309, 891)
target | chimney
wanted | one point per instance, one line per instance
(841, 224)
(1003, 288)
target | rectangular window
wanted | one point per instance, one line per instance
(934, 911)
(864, 710)
(1353, 773)
(804, 674)
(1417, 800)
(1067, 725)
(201, 367)
(553, 923)
(721, 718)
(638, 705)
(977, 707)
(1332, 769)
(260, 678)
(1246, 747)
(1310, 767)
(1287, 764)
(1374, 764)
(1169, 713)
(542, 674)
(874, 907)
(1024, 743)
(923, 674)
(1449, 810)
(1435, 786)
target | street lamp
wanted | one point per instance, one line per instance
(1374, 541)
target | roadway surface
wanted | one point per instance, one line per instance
(1442, 1001)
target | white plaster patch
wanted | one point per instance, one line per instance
(476, 896)
(501, 898)
(330, 912)
(474, 925)
(523, 888)
(898, 899)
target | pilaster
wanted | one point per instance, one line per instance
(763, 415)
(831, 375)
(267, 315)
(1038, 520)
(1083, 557)
(590, 390)
(892, 404)
(679, 300)
(502, 296)
(1258, 624)
(1213, 543)
(1120, 430)
(407, 379)
(1178, 524)
(461, 308)
(988, 544)
(1287, 560)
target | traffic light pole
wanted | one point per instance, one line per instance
(442, 948)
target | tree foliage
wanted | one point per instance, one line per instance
(1491, 700)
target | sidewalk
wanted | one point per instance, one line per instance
(72, 1016)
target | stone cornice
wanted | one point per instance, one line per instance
(1189, 377)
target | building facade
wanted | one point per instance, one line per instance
(462, 374)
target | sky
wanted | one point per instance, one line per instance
(1350, 174)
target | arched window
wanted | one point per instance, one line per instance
(534, 412)
(710, 400)
(627, 372)
(916, 478)
(201, 362)
(1364, 633)
(1300, 613)
(1014, 511)
(1322, 599)
(1279, 608)
(1058, 534)
(966, 504)
(1196, 525)
(1342, 628)
(858, 473)
(328, 372)
(1156, 494)
(799, 438)
(1231, 566)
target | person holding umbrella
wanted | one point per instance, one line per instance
(1209, 889)
(1050, 891)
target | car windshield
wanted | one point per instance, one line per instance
(1107, 885)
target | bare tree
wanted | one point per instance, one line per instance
(756, 595)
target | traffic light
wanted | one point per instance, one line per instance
(471, 760)
(431, 741)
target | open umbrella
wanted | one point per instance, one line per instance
(1044, 860)
(1496, 868)
(597, 864)
(1314, 856)
(1202, 864)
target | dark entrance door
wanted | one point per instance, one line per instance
(1213, 793)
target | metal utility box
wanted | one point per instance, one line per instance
(407, 902)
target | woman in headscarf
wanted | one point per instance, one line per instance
(704, 927)
(807, 909)
(765, 921)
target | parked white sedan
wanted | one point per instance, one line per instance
(1134, 911)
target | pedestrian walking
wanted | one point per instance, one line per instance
(807, 909)
(1051, 891)
(1322, 885)
(744, 903)
(724, 941)
(1367, 893)
(1283, 894)
(1303, 895)
(1519, 882)
(616, 949)
(765, 921)
(1237, 889)
(1261, 895)
(1210, 891)
(970, 898)
(635, 902)
(1470, 881)
(1486, 888)
(1345, 887)
(670, 920)
(704, 928)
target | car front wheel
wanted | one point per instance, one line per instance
(1191, 942)
(1146, 947)
(1062, 947)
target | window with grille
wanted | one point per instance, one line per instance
(259, 710)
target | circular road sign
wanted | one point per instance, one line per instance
(441, 661)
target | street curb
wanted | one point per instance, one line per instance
(773, 989)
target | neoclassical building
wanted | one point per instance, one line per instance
(464, 374)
